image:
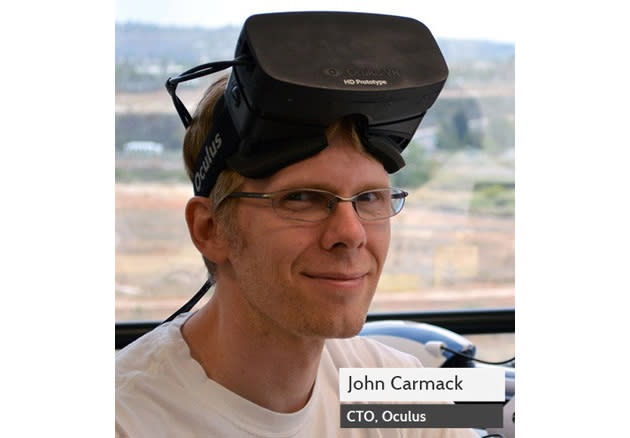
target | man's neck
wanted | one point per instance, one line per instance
(257, 361)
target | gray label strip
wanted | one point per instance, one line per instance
(477, 415)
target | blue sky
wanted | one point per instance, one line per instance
(481, 19)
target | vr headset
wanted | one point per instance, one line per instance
(296, 73)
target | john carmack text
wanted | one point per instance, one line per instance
(398, 383)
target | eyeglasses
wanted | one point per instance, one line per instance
(313, 205)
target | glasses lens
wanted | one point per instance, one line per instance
(305, 205)
(380, 204)
(398, 200)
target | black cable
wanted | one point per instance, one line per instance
(475, 359)
(494, 435)
(191, 303)
(209, 68)
(194, 73)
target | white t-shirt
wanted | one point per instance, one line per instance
(161, 391)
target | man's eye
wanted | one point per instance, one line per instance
(303, 196)
(370, 197)
(302, 200)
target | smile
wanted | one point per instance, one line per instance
(338, 279)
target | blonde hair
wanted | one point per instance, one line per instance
(229, 180)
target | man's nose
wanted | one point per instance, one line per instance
(343, 227)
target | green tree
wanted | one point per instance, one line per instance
(454, 131)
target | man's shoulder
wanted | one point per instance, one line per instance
(140, 350)
(152, 377)
(362, 352)
(146, 355)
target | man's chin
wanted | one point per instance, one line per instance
(349, 333)
(339, 328)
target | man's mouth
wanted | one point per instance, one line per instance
(341, 276)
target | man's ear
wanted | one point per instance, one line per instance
(204, 229)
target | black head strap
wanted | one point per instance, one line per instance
(221, 142)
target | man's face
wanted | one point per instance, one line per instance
(311, 279)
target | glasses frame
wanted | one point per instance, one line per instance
(396, 193)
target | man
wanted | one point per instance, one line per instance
(296, 257)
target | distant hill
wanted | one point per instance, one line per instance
(147, 42)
